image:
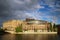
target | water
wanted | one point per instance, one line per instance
(29, 37)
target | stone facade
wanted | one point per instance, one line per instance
(11, 24)
(27, 25)
(37, 25)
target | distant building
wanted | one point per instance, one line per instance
(28, 25)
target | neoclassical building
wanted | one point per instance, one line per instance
(10, 25)
(28, 25)
(35, 25)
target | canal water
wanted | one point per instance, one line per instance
(30, 37)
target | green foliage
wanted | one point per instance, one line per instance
(1, 29)
(54, 28)
(19, 28)
(50, 27)
(35, 30)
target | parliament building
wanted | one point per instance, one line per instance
(28, 25)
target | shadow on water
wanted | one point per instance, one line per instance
(36, 37)
(30, 37)
(39, 37)
(58, 37)
(7, 37)
(18, 37)
(2, 32)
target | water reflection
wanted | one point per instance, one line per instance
(8, 37)
(58, 37)
(29, 37)
(39, 37)
(18, 37)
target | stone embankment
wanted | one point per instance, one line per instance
(12, 32)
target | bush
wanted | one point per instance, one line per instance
(19, 28)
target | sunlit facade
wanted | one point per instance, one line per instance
(28, 25)
(36, 26)
(10, 25)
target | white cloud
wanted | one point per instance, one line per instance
(22, 1)
(19, 1)
(50, 2)
(28, 1)
(30, 16)
(38, 6)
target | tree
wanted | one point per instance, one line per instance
(50, 27)
(54, 28)
(19, 28)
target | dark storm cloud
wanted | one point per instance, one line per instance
(14, 9)
(4, 9)
(5, 12)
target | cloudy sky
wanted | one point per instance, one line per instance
(48, 10)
